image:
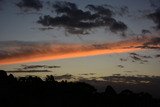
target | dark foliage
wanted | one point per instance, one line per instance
(35, 92)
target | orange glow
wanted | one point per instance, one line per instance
(37, 58)
(43, 52)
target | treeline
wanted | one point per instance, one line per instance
(34, 92)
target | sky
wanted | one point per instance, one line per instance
(81, 39)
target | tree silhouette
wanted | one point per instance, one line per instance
(34, 92)
(110, 91)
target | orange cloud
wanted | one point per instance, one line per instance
(35, 52)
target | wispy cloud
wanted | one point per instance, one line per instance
(120, 66)
(28, 71)
(13, 52)
(26, 67)
(64, 77)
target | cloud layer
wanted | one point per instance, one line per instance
(13, 52)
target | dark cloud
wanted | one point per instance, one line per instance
(118, 27)
(123, 59)
(45, 28)
(135, 58)
(153, 43)
(155, 17)
(64, 77)
(27, 71)
(135, 54)
(33, 68)
(30, 4)
(120, 66)
(77, 21)
(142, 56)
(144, 31)
(145, 56)
(38, 66)
(157, 56)
(100, 10)
(130, 71)
(88, 74)
(139, 58)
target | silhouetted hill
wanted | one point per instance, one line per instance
(34, 92)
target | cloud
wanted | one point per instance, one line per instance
(101, 10)
(30, 4)
(27, 71)
(88, 74)
(140, 58)
(118, 27)
(157, 56)
(155, 17)
(33, 68)
(130, 71)
(136, 58)
(120, 66)
(123, 59)
(64, 77)
(144, 31)
(12, 52)
(77, 21)
(38, 66)
(45, 28)
(153, 43)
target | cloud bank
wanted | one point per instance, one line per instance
(13, 52)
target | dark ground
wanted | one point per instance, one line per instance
(35, 92)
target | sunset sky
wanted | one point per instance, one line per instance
(80, 39)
